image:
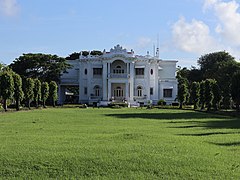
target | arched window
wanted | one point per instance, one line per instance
(97, 90)
(85, 71)
(139, 91)
(118, 70)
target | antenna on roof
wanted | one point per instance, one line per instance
(157, 51)
(153, 50)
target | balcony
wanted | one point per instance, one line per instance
(123, 76)
(70, 80)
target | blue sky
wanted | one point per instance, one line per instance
(186, 29)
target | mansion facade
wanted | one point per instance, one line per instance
(119, 76)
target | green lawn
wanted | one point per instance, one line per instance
(118, 144)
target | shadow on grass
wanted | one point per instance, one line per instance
(167, 116)
(206, 134)
(192, 119)
(227, 144)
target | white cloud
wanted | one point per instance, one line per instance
(9, 7)
(229, 19)
(193, 36)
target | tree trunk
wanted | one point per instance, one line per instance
(181, 104)
(5, 104)
(36, 104)
(44, 104)
(17, 104)
(237, 107)
(53, 102)
(29, 104)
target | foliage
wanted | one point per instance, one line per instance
(53, 92)
(45, 67)
(220, 66)
(45, 93)
(6, 87)
(96, 52)
(37, 91)
(125, 143)
(216, 95)
(208, 93)
(28, 91)
(195, 90)
(18, 92)
(182, 91)
(202, 94)
(161, 102)
(235, 89)
(73, 56)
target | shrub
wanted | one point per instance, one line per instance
(161, 102)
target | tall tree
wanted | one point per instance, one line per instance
(220, 66)
(208, 93)
(53, 89)
(37, 91)
(28, 91)
(217, 97)
(45, 67)
(182, 91)
(195, 94)
(235, 89)
(45, 93)
(18, 92)
(202, 95)
(6, 87)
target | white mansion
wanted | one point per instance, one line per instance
(120, 75)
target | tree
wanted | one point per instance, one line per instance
(73, 56)
(37, 91)
(45, 67)
(28, 91)
(195, 94)
(208, 93)
(53, 88)
(220, 66)
(18, 92)
(45, 93)
(6, 87)
(202, 94)
(216, 95)
(182, 90)
(235, 89)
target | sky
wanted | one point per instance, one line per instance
(185, 29)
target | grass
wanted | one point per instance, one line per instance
(118, 144)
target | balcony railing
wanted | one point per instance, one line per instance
(112, 75)
(69, 80)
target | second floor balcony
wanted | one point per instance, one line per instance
(114, 75)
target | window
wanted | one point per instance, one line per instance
(97, 90)
(139, 91)
(85, 90)
(85, 71)
(118, 92)
(167, 93)
(139, 71)
(118, 70)
(151, 91)
(151, 71)
(97, 71)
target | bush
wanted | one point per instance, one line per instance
(175, 104)
(120, 104)
(162, 102)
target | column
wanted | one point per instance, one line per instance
(109, 90)
(127, 91)
(131, 80)
(105, 77)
